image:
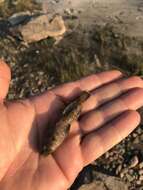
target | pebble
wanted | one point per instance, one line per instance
(125, 165)
(138, 182)
(123, 172)
(107, 167)
(141, 165)
(140, 172)
(131, 171)
(129, 177)
(139, 131)
(118, 169)
(136, 140)
(134, 135)
(107, 155)
(111, 159)
(68, 11)
(141, 135)
(141, 178)
(133, 162)
(18, 18)
(140, 9)
(121, 175)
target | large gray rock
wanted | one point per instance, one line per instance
(105, 182)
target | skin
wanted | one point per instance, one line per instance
(22, 124)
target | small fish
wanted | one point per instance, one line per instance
(71, 112)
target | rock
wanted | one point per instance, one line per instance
(141, 178)
(129, 177)
(140, 172)
(140, 132)
(1, 1)
(134, 135)
(131, 171)
(95, 185)
(19, 18)
(121, 175)
(118, 169)
(123, 172)
(40, 28)
(136, 140)
(133, 162)
(138, 182)
(104, 182)
(141, 165)
(107, 155)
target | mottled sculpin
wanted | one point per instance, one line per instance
(61, 130)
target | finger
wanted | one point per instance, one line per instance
(50, 100)
(132, 100)
(5, 77)
(70, 90)
(100, 141)
(110, 91)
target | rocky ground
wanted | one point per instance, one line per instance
(100, 35)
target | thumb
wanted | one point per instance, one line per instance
(5, 77)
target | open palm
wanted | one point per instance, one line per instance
(108, 116)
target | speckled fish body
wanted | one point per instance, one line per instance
(71, 112)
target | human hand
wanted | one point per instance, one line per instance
(108, 116)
